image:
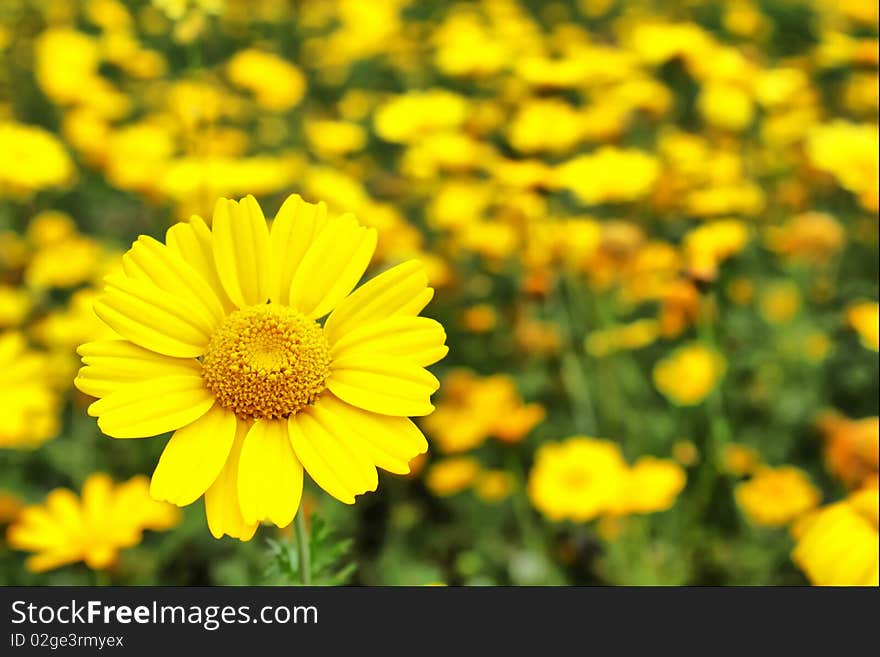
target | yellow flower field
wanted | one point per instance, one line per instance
(477, 292)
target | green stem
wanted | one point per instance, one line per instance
(720, 431)
(302, 546)
(102, 577)
(521, 511)
(575, 379)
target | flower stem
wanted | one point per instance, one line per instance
(574, 378)
(720, 431)
(101, 577)
(302, 546)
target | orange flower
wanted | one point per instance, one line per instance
(851, 447)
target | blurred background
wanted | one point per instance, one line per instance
(652, 228)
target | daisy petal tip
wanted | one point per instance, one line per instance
(94, 410)
(78, 381)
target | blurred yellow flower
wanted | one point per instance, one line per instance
(87, 132)
(195, 181)
(333, 138)
(743, 18)
(546, 125)
(740, 290)
(479, 318)
(50, 227)
(680, 307)
(689, 374)
(65, 263)
(837, 545)
(276, 84)
(849, 152)
(30, 405)
(577, 479)
(650, 485)
(66, 63)
(708, 245)
(686, 453)
(780, 302)
(812, 237)
(138, 155)
(452, 475)
(474, 408)
(726, 106)
(33, 159)
(107, 518)
(416, 114)
(864, 317)
(176, 9)
(817, 345)
(494, 485)
(609, 175)
(739, 460)
(15, 304)
(625, 337)
(466, 47)
(657, 41)
(69, 327)
(777, 496)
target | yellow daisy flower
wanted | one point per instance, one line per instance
(108, 517)
(222, 344)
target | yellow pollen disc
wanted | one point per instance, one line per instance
(266, 362)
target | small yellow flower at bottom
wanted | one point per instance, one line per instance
(93, 528)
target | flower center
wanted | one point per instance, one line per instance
(266, 362)
(577, 479)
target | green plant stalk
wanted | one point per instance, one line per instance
(575, 380)
(101, 577)
(719, 430)
(302, 547)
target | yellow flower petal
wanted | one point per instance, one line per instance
(336, 465)
(332, 266)
(64, 508)
(390, 442)
(418, 339)
(151, 260)
(39, 526)
(40, 563)
(295, 228)
(401, 290)
(383, 384)
(148, 408)
(194, 242)
(193, 458)
(270, 478)
(221, 499)
(152, 318)
(110, 364)
(241, 250)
